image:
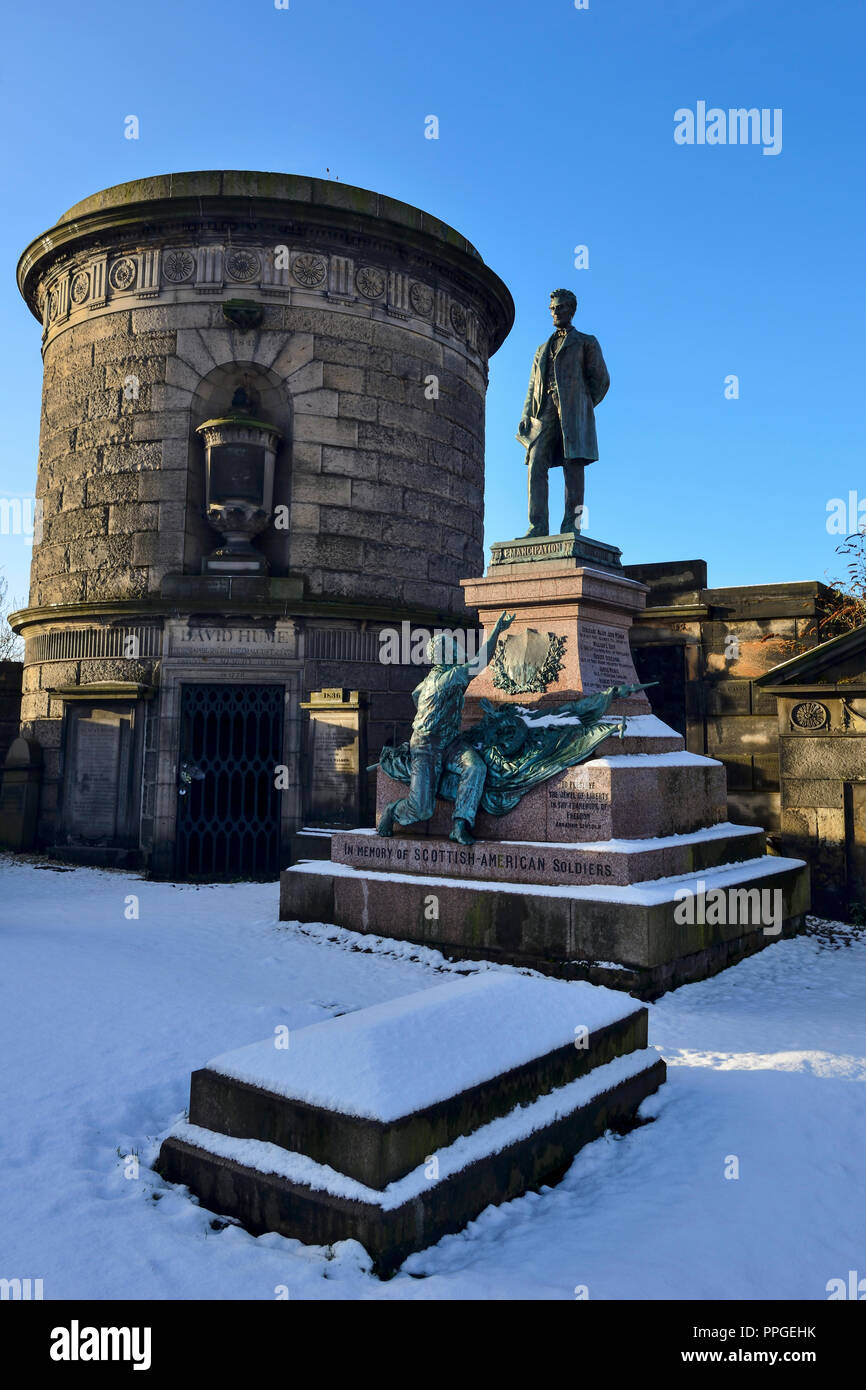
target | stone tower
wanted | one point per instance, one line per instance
(191, 587)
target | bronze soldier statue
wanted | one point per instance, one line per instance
(437, 748)
(568, 379)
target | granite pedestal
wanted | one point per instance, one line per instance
(624, 871)
(571, 591)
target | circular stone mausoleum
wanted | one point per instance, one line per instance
(262, 443)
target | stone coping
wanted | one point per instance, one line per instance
(203, 196)
(239, 598)
(257, 186)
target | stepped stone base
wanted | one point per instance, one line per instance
(584, 879)
(631, 937)
(264, 1201)
(376, 1152)
(397, 1124)
(539, 861)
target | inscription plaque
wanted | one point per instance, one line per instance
(579, 807)
(489, 860)
(335, 781)
(605, 656)
(97, 771)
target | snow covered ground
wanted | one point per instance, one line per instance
(104, 1014)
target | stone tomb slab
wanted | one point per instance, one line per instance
(373, 1092)
(491, 1083)
(267, 1188)
(528, 861)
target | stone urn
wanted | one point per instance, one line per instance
(240, 453)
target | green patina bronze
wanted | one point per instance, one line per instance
(517, 753)
(496, 762)
(437, 752)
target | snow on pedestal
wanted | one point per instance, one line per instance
(399, 1123)
(582, 880)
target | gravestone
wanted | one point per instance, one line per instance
(396, 1124)
(100, 755)
(19, 794)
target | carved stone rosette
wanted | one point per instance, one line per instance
(810, 714)
(106, 275)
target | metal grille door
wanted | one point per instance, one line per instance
(231, 742)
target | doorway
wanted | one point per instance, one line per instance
(231, 743)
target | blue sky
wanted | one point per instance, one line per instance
(556, 130)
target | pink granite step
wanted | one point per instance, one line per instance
(624, 796)
(526, 861)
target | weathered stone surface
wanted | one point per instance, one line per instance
(143, 353)
(127, 517)
(115, 488)
(636, 929)
(264, 1202)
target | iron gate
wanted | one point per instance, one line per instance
(228, 819)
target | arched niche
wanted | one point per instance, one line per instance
(212, 399)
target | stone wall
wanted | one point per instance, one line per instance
(708, 648)
(372, 334)
(385, 486)
(821, 699)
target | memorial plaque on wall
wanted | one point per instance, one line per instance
(335, 771)
(96, 774)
